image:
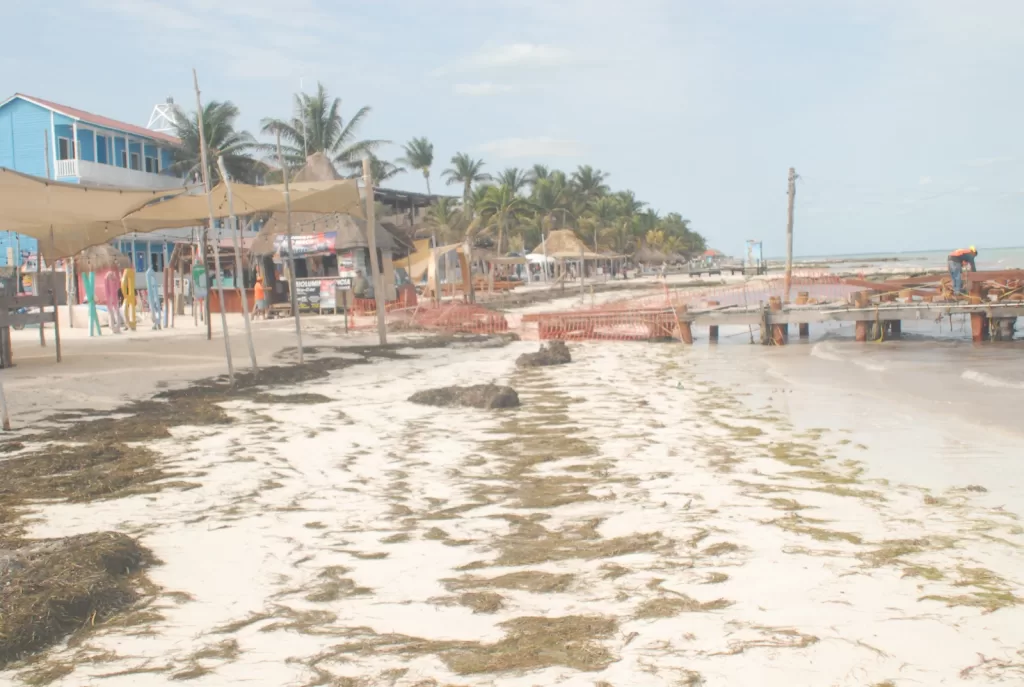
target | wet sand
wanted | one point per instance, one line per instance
(653, 514)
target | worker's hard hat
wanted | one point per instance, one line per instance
(973, 249)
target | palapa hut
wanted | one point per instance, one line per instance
(325, 247)
(648, 255)
(562, 246)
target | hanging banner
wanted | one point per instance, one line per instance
(306, 244)
(199, 281)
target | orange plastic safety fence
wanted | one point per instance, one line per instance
(606, 325)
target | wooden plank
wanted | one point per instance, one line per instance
(14, 319)
(993, 275)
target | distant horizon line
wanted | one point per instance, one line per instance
(882, 253)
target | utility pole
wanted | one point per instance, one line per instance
(789, 235)
(371, 241)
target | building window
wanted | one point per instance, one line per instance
(101, 150)
(124, 159)
(136, 162)
(152, 165)
(65, 149)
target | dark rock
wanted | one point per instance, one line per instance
(551, 353)
(477, 396)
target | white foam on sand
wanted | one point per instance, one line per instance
(624, 470)
(990, 380)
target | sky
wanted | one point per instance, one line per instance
(902, 118)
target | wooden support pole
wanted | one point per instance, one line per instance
(780, 332)
(713, 329)
(208, 188)
(371, 240)
(685, 329)
(789, 235)
(56, 322)
(4, 416)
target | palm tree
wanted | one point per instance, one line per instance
(502, 210)
(514, 178)
(466, 171)
(419, 155)
(590, 182)
(317, 127)
(538, 173)
(222, 141)
(604, 212)
(382, 170)
(446, 218)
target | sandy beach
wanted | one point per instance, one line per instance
(652, 514)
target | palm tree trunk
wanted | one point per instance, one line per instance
(426, 175)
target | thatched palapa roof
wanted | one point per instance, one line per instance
(648, 254)
(563, 243)
(351, 231)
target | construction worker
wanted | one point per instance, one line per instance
(958, 259)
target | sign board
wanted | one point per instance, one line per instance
(317, 293)
(306, 244)
(307, 294)
(199, 281)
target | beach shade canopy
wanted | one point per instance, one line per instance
(322, 197)
(563, 243)
(67, 218)
(348, 232)
(711, 252)
(101, 257)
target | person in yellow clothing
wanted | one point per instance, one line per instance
(130, 298)
(958, 260)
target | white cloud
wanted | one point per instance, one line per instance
(522, 55)
(924, 181)
(513, 56)
(536, 147)
(987, 161)
(482, 88)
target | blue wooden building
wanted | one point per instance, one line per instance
(45, 139)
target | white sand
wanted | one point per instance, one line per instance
(631, 441)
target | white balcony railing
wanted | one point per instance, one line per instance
(67, 168)
(109, 175)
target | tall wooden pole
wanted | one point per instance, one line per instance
(789, 235)
(216, 253)
(239, 272)
(291, 258)
(371, 240)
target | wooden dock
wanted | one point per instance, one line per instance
(878, 309)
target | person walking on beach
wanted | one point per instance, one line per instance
(958, 260)
(111, 286)
(259, 308)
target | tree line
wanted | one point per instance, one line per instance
(509, 210)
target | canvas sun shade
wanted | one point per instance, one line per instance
(67, 218)
(191, 210)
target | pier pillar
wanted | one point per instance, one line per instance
(979, 322)
(780, 332)
(802, 298)
(862, 331)
(713, 329)
(685, 330)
